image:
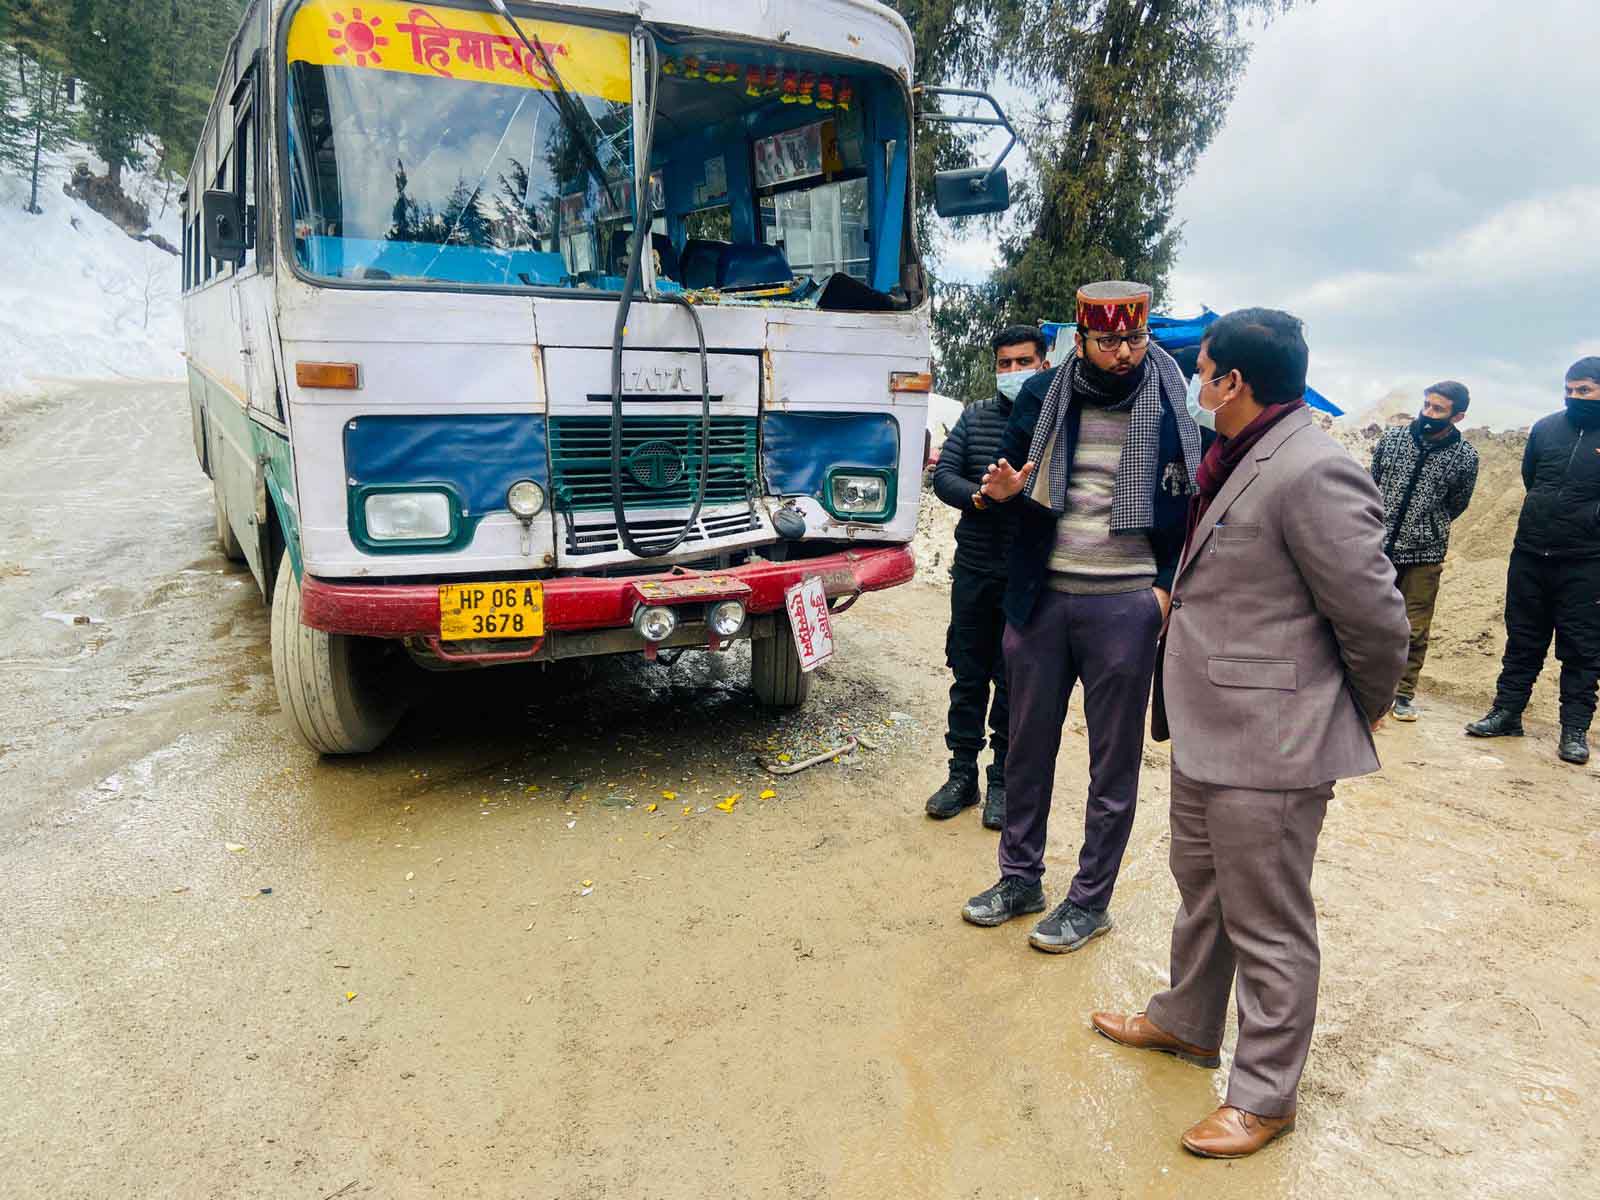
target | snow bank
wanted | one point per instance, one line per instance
(79, 298)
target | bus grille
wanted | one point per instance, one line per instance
(660, 462)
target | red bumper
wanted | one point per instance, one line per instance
(577, 603)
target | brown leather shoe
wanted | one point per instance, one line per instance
(1142, 1033)
(1233, 1133)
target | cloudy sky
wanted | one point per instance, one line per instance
(1420, 182)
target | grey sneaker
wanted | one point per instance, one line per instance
(1011, 897)
(1068, 928)
(1404, 709)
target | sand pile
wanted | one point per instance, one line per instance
(1469, 624)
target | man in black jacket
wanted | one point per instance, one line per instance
(978, 582)
(1553, 585)
(1426, 472)
(1105, 453)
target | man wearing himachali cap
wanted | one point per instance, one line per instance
(1100, 457)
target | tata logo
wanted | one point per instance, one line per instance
(656, 465)
(656, 379)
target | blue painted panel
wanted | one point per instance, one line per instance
(799, 449)
(480, 455)
(342, 257)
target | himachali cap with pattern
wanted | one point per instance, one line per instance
(1113, 307)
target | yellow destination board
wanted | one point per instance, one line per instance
(450, 43)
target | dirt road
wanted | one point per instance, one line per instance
(487, 966)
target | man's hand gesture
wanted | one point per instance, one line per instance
(1003, 481)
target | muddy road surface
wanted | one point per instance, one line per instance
(532, 948)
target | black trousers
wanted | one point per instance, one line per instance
(1559, 596)
(972, 651)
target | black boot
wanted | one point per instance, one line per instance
(959, 791)
(1574, 745)
(994, 800)
(1500, 722)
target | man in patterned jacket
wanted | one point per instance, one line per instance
(1426, 472)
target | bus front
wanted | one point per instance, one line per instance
(508, 442)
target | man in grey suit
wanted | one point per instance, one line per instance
(1286, 640)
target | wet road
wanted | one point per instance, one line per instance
(487, 966)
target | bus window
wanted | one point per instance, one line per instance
(821, 229)
(450, 156)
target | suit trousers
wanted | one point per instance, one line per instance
(1109, 642)
(1242, 860)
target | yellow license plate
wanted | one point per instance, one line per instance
(491, 610)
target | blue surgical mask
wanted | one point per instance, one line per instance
(1009, 383)
(1202, 417)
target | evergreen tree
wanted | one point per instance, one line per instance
(1129, 94)
(45, 123)
(111, 46)
(464, 219)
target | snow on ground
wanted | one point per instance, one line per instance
(79, 298)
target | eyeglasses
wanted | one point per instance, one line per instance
(1108, 342)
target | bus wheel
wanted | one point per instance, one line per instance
(226, 541)
(775, 672)
(337, 691)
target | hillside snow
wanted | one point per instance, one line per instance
(79, 298)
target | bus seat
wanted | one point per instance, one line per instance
(701, 262)
(753, 266)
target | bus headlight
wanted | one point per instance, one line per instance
(525, 499)
(407, 516)
(726, 618)
(859, 495)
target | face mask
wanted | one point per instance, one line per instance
(1009, 383)
(1585, 414)
(1431, 425)
(1202, 417)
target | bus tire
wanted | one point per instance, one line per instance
(333, 688)
(227, 542)
(775, 673)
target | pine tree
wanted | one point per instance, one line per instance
(463, 218)
(1129, 94)
(111, 47)
(45, 124)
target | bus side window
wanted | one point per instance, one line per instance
(244, 181)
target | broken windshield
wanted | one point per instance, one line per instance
(427, 144)
(778, 176)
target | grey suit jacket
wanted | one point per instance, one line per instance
(1287, 635)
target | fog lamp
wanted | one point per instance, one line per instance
(655, 624)
(525, 499)
(726, 618)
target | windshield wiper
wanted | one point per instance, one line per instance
(572, 114)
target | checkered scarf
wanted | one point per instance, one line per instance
(1133, 492)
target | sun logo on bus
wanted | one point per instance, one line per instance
(358, 36)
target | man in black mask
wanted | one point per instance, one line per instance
(1426, 472)
(1553, 586)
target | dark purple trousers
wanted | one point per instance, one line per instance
(1108, 642)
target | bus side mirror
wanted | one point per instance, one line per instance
(971, 193)
(224, 226)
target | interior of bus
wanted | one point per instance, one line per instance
(776, 176)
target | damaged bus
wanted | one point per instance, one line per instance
(525, 332)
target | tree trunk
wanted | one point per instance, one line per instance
(114, 173)
(38, 138)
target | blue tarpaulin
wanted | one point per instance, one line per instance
(1175, 334)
